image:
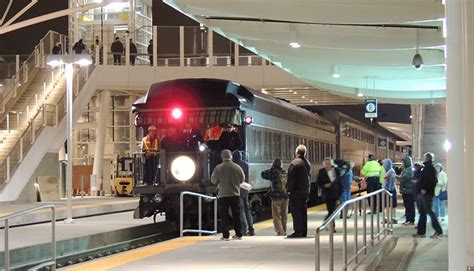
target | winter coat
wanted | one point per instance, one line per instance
(117, 47)
(428, 179)
(228, 176)
(299, 176)
(237, 158)
(273, 175)
(406, 177)
(389, 177)
(336, 188)
(442, 183)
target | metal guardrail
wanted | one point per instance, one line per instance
(181, 214)
(387, 227)
(6, 253)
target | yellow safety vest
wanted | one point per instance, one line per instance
(150, 145)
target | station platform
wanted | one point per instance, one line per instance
(82, 207)
(265, 251)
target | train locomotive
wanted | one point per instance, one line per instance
(269, 128)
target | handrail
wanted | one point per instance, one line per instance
(181, 213)
(330, 221)
(6, 253)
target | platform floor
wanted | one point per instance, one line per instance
(265, 251)
(82, 207)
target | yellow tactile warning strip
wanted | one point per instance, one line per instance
(137, 254)
(113, 261)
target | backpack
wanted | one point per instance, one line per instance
(282, 180)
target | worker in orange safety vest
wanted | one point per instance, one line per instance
(150, 148)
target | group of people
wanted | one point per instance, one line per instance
(425, 186)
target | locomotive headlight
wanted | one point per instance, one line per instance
(183, 168)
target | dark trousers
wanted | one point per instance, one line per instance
(151, 60)
(150, 170)
(117, 59)
(299, 213)
(132, 60)
(373, 184)
(425, 209)
(331, 206)
(409, 203)
(224, 205)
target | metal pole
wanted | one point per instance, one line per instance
(6, 250)
(8, 122)
(200, 214)
(390, 206)
(181, 46)
(356, 245)
(317, 252)
(372, 220)
(155, 46)
(384, 217)
(53, 237)
(69, 81)
(215, 215)
(181, 215)
(344, 236)
(331, 247)
(82, 186)
(377, 198)
(364, 216)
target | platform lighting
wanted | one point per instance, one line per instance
(183, 168)
(176, 113)
(335, 72)
(294, 37)
(248, 120)
(69, 61)
(295, 45)
(359, 93)
(447, 145)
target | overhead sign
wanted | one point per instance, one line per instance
(370, 108)
(382, 143)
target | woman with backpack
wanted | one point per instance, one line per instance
(278, 177)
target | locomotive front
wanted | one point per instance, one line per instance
(181, 110)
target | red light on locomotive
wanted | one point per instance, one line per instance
(248, 120)
(176, 113)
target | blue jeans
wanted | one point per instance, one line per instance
(245, 214)
(439, 207)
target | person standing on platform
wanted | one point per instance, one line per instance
(149, 50)
(150, 148)
(117, 51)
(245, 211)
(426, 186)
(390, 186)
(56, 49)
(228, 176)
(346, 180)
(406, 189)
(299, 177)
(133, 53)
(230, 139)
(278, 177)
(371, 172)
(439, 200)
(330, 182)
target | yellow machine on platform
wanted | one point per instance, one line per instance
(124, 181)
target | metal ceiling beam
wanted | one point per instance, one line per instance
(6, 12)
(21, 12)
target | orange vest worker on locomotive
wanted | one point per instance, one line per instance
(150, 148)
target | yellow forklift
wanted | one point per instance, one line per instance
(124, 179)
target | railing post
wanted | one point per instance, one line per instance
(384, 209)
(155, 46)
(377, 204)
(6, 250)
(356, 240)
(82, 186)
(8, 122)
(15, 85)
(56, 115)
(200, 214)
(25, 72)
(181, 46)
(344, 236)
(390, 207)
(105, 55)
(127, 51)
(21, 149)
(53, 237)
(317, 264)
(331, 246)
(215, 215)
(372, 210)
(17, 63)
(210, 46)
(181, 225)
(236, 54)
(249, 61)
(364, 215)
(33, 133)
(8, 168)
(42, 53)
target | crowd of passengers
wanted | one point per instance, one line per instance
(423, 185)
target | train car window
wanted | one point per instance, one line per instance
(315, 149)
(328, 150)
(321, 151)
(278, 146)
(266, 144)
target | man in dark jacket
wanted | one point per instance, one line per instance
(426, 186)
(299, 177)
(230, 139)
(245, 213)
(149, 50)
(329, 180)
(79, 47)
(117, 51)
(406, 189)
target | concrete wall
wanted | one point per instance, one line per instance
(48, 167)
(434, 131)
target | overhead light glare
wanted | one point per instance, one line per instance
(295, 45)
(335, 72)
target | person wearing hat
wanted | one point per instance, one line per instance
(150, 148)
(228, 176)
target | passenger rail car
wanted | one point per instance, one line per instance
(276, 128)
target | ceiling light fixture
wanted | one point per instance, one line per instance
(294, 37)
(417, 61)
(359, 93)
(335, 72)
